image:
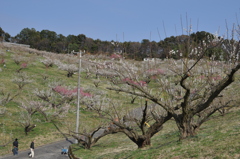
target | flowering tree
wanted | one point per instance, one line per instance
(70, 68)
(56, 100)
(23, 65)
(21, 79)
(90, 131)
(18, 58)
(188, 88)
(53, 98)
(70, 93)
(31, 107)
(48, 62)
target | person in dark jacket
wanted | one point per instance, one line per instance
(32, 149)
(15, 147)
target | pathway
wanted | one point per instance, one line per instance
(50, 151)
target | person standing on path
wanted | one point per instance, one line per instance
(32, 149)
(15, 147)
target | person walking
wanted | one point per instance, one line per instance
(32, 149)
(15, 147)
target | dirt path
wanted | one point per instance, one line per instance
(50, 151)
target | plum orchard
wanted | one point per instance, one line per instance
(189, 90)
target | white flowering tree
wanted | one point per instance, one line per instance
(69, 68)
(21, 79)
(18, 58)
(47, 61)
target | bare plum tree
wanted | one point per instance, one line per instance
(89, 137)
(6, 97)
(26, 121)
(133, 122)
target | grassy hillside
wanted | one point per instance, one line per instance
(10, 128)
(217, 138)
(40, 76)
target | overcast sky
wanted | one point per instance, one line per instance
(120, 20)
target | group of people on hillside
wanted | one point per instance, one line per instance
(15, 148)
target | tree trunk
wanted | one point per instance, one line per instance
(186, 131)
(70, 74)
(185, 127)
(143, 142)
(28, 128)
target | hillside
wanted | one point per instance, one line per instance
(13, 117)
(217, 138)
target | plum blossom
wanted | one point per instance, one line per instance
(66, 92)
(115, 56)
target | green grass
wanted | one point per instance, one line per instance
(219, 138)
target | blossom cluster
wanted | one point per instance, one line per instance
(66, 92)
(115, 56)
(23, 65)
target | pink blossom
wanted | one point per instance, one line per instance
(23, 65)
(115, 56)
(65, 92)
(2, 61)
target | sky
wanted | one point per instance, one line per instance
(120, 20)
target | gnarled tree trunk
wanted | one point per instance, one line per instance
(143, 141)
(185, 126)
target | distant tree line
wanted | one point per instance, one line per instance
(51, 41)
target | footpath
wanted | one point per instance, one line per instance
(50, 151)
